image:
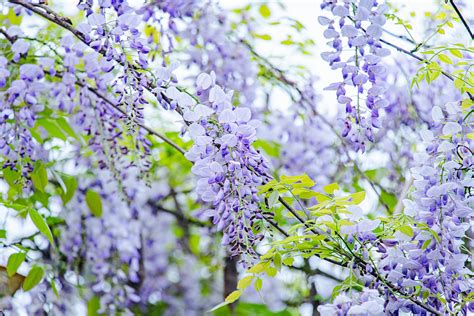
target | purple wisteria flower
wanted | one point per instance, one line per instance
(229, 170)
(357, 24)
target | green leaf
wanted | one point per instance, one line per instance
(273, 198)
(64, 125)
(357, 197)
(3, 233)
(426, 244)
(265, 37)
(12, 17)
(330, 188)
(232, 297)
(13, 178)
(39, 176)
(14, 262)
(265, 11)
(52, 128)
(455, 52)
(259, 267)
(55, 290)
(389, 199)
(33, 278)
(71, 187)
(277, 261)
(245, 282)
(258, 284)
(93, 306)
(40, 223)
(407, 230)
(270, 147)
(271, 271)
(297, 181)
(288, 261)
(445, 59)
(94, 202)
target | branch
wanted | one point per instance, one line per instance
(143, 126)
(313, 272)
(66, 23)
(464, 22)
(411, 54)
(11, 39)
(109, 102)
(180, 217)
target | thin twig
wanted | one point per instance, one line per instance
(143, 126)
(464, 22)
(179, 216)
(11, 39)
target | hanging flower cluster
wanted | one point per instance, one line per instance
(358, 26)
(229, 169)
(442, 206)
(21, 101)
(428, 258)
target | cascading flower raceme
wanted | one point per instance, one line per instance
(358, 26)
(442, 206)
(229, 169)
(432, 259)
(21, 101)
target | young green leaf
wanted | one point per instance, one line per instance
(273, 198)
(14, 262)
(445, 59)
(330, 188)
(71, 187)
(41, 224)
(455, 52)
(39, 176)
(277, 261)
(93, 306)
(265, 11)
(258, 284)
(33, 278)
(407, 230)
(232, 297)
(245, 282)
(94, 203)
(55, 290)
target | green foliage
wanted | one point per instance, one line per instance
(94, 202)
(14, 262)
(265, 11)
(41, 224)
(93, 306)
(431, 69)
(33, 278)
(68, 186)
(250, 309)
(39, 176)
